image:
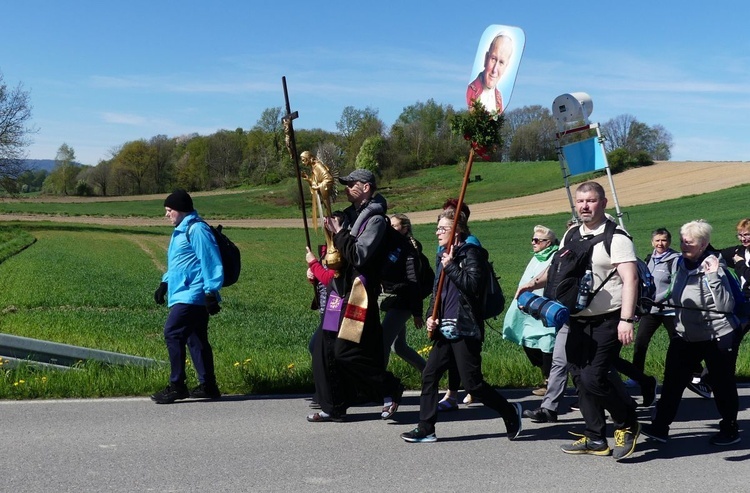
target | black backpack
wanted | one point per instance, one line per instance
(572, 260)
(399, 252)
(425, 276)
(393, 271)
(230, 254)
(494, 301)
(570, 263)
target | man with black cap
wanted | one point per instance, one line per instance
(359, 346)
(191, 288)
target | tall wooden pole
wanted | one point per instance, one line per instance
(453, 235)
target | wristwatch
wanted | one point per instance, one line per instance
(628, 320)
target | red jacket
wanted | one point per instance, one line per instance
(475, 90)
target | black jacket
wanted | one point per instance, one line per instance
(407, 291)
(468, 273)
(741, 268)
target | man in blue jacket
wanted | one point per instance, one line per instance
(191, 287)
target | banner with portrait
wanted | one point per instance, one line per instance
(495, 68)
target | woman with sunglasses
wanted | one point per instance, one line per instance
(537, 340)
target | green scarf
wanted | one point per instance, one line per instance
(545, 254)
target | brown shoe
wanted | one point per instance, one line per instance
(540, 391)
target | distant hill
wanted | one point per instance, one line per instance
(37, 164)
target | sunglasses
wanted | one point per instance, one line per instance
(538, 240)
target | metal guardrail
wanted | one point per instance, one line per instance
(17, 349)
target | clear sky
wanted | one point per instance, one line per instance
(102, 73)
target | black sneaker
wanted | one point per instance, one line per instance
(655, 433)
(649, 392)
(575, 406)
(729, 435)
(418, 436)
(171, 393)
(541, 415)
(625, 440)
(514, 424)
(701, 388)
(205, 391)
(585, 445)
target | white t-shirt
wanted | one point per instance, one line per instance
(609, 297)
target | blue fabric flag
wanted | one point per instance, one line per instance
(585, 156)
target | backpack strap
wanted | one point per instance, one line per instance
(668, 294)
(610, 228)
(190, 226)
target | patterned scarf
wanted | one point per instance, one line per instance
(355, 312)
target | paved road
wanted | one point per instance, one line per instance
(264, 444)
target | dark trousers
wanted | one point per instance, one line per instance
(682, 356)
(325, 373)
(646, 329)
(466, 355)
(631, 371)
(454, 380)
(592, 349)
(361, 368)
(540, 359)
(188, 325)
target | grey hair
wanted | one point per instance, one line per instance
(545, 231)
(462, 226)
(698, 230)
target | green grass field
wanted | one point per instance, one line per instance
(92, 286)
(422, 190)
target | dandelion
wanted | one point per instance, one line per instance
(290, 366)
(425, 350)
(247, 361)
(22, 381)
(236, 364)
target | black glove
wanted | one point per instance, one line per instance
(160, 293)
(212, 304)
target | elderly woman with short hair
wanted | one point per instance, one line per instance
(705, 329)
(537, 340)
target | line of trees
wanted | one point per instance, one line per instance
(421, 137)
